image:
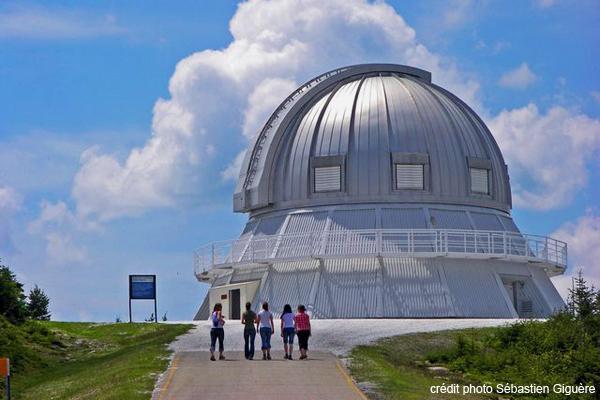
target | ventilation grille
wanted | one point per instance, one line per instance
(480, 181)
(409, 176)
(526, 307)
(328, 179)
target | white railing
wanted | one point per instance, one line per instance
(382, 242)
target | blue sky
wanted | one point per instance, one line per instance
(99, 178)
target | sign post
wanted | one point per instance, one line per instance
(5, 372)
(142, 287)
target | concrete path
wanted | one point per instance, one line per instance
(336, 335)
(193, 376)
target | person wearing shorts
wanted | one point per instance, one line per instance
(302, 325)
(266, 328)
(287, 331)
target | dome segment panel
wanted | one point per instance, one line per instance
(297, 167)
(331, 137)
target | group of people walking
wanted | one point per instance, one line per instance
(291, 325)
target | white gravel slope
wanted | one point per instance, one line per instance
(336, 335)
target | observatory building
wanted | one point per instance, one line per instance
(373, 193)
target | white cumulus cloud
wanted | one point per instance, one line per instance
(61, 249)
(232, 172)
(548, 154)
(262, 101)
(583, 240)
(219, 99)
(10, 202)
(217, 94)
(60, 228)
(58, 215)
(518, 78)
(457, 12)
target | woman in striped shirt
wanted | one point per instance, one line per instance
(302, 325)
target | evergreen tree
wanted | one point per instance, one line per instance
(12, 298)
(38, 304)
(582, 297)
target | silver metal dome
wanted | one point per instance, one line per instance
(373, 193)
(365, 116)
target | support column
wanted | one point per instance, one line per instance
(509, 303)
(471, 221)
(312, 297)
(282, 230)
(452, 311)
(379, 310)
(548, 306)
(325, 237)
(428, 218)
(263, 281)
(248, 243)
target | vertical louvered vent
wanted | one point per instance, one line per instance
(526, 307)
(328, 179)
(480, 181)
(409, 176)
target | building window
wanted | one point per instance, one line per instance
(409, 176)
(480, 180)
(410, 171)
(328, 179)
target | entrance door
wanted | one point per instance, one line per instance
(234, 304)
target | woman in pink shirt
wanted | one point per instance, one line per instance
(302, 325)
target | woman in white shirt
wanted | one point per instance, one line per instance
(217, 332)
(287, 330)
(266, 328)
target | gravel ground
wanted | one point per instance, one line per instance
(336, 335)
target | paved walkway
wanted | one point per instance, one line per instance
(336, 335)
(193, 376)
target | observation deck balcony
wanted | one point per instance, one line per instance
(214, 258)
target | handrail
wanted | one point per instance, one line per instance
(381, 242)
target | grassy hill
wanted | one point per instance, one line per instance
(64, 360)
(562, 350)
(397, 367)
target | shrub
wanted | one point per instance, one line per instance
(564, 349)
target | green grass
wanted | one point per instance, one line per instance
(396, 368)
(564, 350)
(63, 360)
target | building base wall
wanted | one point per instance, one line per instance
(402, 288)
